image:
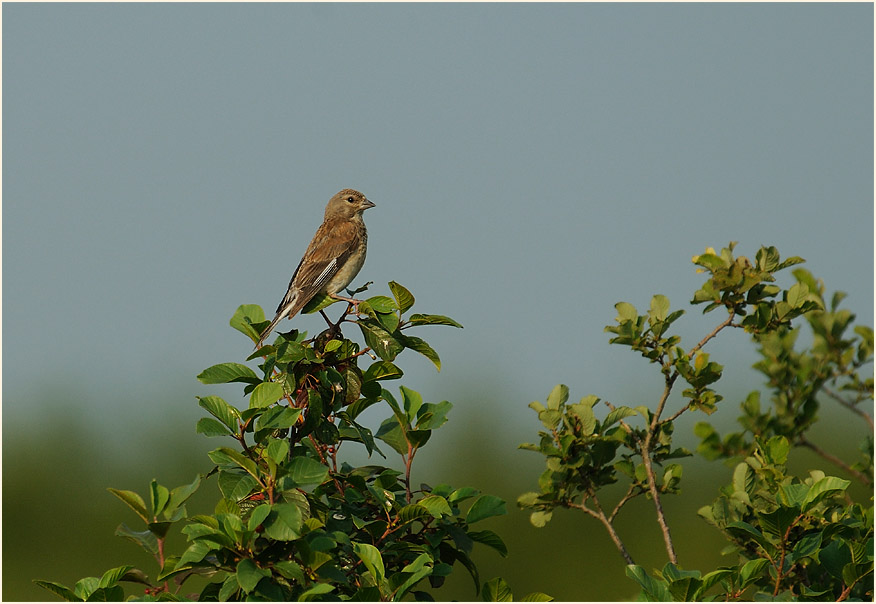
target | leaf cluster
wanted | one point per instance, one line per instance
(794, 539)
(294, 521)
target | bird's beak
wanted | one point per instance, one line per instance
(367, 204)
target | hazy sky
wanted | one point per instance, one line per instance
(532, 164)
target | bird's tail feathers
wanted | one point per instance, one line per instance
(280, 314)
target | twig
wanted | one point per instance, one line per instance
(408, 461)
(780, 568)
(848, 405)
(631, 492)
(845, 593)
(803, 441)
(677, 414)
(649, 469)
(727, 323)
(600, 515)
(714, 332)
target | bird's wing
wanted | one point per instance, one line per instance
(329, 250)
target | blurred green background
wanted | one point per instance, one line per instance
(532, 164)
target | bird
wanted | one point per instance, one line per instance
(332, 260)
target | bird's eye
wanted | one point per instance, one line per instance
(350, 199)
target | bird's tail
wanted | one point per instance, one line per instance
(280, 314)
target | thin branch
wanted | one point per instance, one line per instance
(649, 470)
(835, 460)
(600, 515)
(848, 405)
(408, 461)
(780, 568)
(677, 414)
(714, 332)
(631, 492)
(727, 323)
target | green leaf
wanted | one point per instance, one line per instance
(317, 303)
(625, 312)
(618, 414)
(235, 485)
(382, 342)
(114, 575)
(59, 590)
(777, 449)
(226, 456)
(316, 590)
(659, 308)
(196, 552)
(584, 413)
(537, 596)
(684, 589)
(266, 393)
(540, 518)
(779, 520)
(418, 319)
(654, 591)
(462, 493)
(382, 304)
(160, 495)
(743, 481)
(284, 522)
(221, 410)
(433, 415)
(228, 372)
(852, 573)
(258, 515)
(133, 501)
(797, 294)
(278, 450)
(823, 488)
(411, 401)
(436, 505)
(307, 471)
(558, 396)
(412, 573)
(391, 433)
(412, 512)
(249, 575)
(834, 557)
(372, 560)
(332, 345)
(289, 570)
(793, 495)
(420, 345)
(84, 588)
(243, 316)
(807, 545)
(490, 539)
(210, 427)
(145, 539)
(403, 298)
(278, 418)
(712, 578)
(485, 506)
(746, 532)
(496, 590)
(382, 370)
(229, 588)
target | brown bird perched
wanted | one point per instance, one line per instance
(333, 258)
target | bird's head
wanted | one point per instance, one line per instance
(347, 204)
